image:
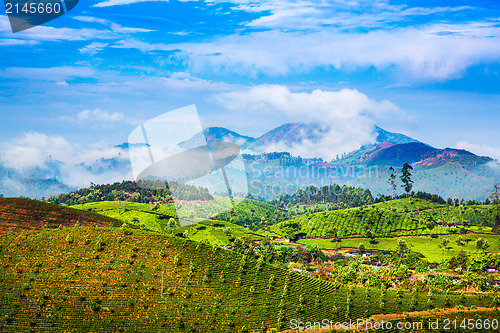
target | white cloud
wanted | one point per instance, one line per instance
(310, 14)
(479, 149)
(38, 151)
(348, 115)
(46, 33)
(99, 119)
(91, 19)
(33, 149)
(98, 116)
(93, 48)
(114, 26)
(142, 46)
(437, 52)
(8, 41)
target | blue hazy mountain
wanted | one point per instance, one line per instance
(448, 172)
(216, 134)
(289, 134)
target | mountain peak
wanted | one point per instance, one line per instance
(216, 134)
(385, 136)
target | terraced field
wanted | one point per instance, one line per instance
(427, 246)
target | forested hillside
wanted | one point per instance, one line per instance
(143, 192)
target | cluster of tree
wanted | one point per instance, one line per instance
(346, 196)
(285, 159)
(284, 255)
(143, 192)
(474, 262)
(254, 215)
(276, 254)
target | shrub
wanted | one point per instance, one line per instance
(69, 239)
(270, 283)
(177, 260)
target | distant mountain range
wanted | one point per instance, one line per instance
(447, 172)
(287, 135)
(389, 148)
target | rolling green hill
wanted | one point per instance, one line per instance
(115, 279)
(248, 213)
(139, 214)
(402, 217)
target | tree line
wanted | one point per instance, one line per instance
(346, 196)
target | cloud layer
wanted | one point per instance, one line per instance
(348, 115)
(437, 52)
(55, 157)
(479, 149)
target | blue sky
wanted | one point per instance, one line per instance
(429, 69)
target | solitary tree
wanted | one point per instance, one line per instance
(361, 248)
(171, 224)
(402, 247)
(430, 224)
(460, 242)
(392, 181)
(332, 233)
(444, 244)
(406, 178)
(228, 232)
(482, 244)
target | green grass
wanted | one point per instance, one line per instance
(105, 279)
(423, 244)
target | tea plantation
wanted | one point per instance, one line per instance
(110, 279)
(248, 213)
(402, 217)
